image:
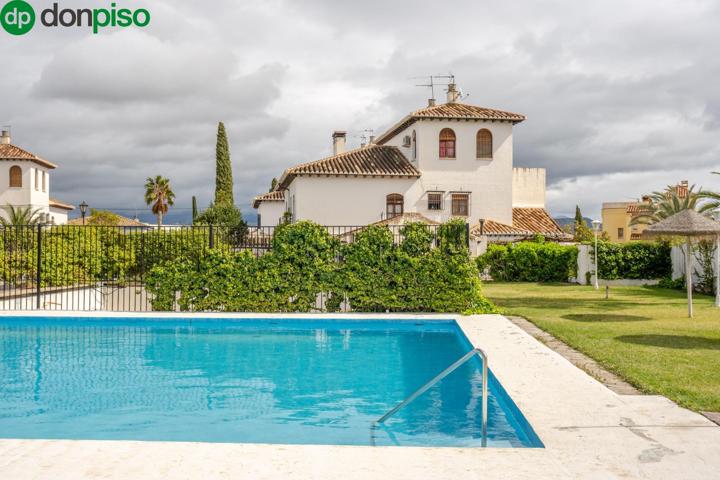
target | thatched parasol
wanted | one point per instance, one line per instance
(689, 224)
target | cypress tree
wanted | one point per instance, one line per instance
(273, 184)
(223, 170)
(194, 208)
(578, 216)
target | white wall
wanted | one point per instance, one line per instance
(529, 187)
(271, 213)
(346, 200)
(489, 181)
(59, 215)
(27, 195)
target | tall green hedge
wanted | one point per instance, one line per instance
(529, 262)
(633, 260)
(373, 273)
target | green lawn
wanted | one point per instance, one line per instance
(642, 334)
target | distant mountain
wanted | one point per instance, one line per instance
(565, 221)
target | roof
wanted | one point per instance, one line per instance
(372, 160)
(58, 204)
(526, 221)
(10, 152)
(274, 196)
(402, 219)
(685, 223)
(638, 208)
(451, 111)
(122, 222)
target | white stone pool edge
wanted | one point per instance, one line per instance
(588, 431)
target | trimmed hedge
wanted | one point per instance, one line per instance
(529, 262)
(373, 273)
(633, 260)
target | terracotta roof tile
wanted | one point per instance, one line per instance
(456, 111)
(462, 111)
(373, 160)
(11, 152)
(122, 222)
(274, 196)
(58, 204)
(526, 222)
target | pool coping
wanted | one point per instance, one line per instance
(588, 430)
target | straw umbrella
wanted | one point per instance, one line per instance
(689, 224)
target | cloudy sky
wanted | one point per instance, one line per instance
(621, 97)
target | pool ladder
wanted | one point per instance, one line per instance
(436, 379)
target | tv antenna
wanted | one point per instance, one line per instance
(432, 82)
(365, 135)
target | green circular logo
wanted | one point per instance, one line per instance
(17, 17)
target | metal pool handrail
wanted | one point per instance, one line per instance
(440, 376)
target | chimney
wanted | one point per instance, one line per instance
(431, 102)
(338, 142)
(5, 137)
(452, 94)
(372, 139)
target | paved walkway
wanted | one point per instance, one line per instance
(589, 432)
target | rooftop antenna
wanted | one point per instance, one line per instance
(432, 83)
(365, 135)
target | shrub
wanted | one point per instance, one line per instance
(634, 260)
(529, 262)
(373, 273)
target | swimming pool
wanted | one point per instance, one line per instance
(290, 381)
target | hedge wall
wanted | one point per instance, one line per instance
(529, 262)
(372, 273)
(633, 260)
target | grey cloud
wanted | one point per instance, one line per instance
(617, 94)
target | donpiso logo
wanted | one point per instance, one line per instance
(18, 17)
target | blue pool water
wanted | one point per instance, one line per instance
(252, 381)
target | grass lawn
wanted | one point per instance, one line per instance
(642, 334)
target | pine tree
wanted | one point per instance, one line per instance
(223, 170)
(194, 208)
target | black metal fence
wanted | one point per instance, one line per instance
(74, 267)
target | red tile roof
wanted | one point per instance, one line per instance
(372, 161)
(526, 222)
(58, 204)
(274, 196)
(454, 111)
(11, 152)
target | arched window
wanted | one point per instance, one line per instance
(447, 143)
(394, 205)
(414, 146)
(484, 144)
(15, 176)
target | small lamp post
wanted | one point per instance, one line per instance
(83, 210)
(596, 230)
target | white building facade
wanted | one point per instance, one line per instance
(442, 161)
(25, 183)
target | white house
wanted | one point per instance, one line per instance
(442, 161)
(25, 183)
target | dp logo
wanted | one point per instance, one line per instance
(17, 17)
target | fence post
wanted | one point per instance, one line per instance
(38, 276)
(212, 237)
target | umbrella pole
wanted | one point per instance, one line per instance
(717, 271)
(689, 276)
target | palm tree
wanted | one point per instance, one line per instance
(713, 198)
(669, 202)
(160, 195)
(21, 217)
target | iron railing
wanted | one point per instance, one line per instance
(99, 267)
